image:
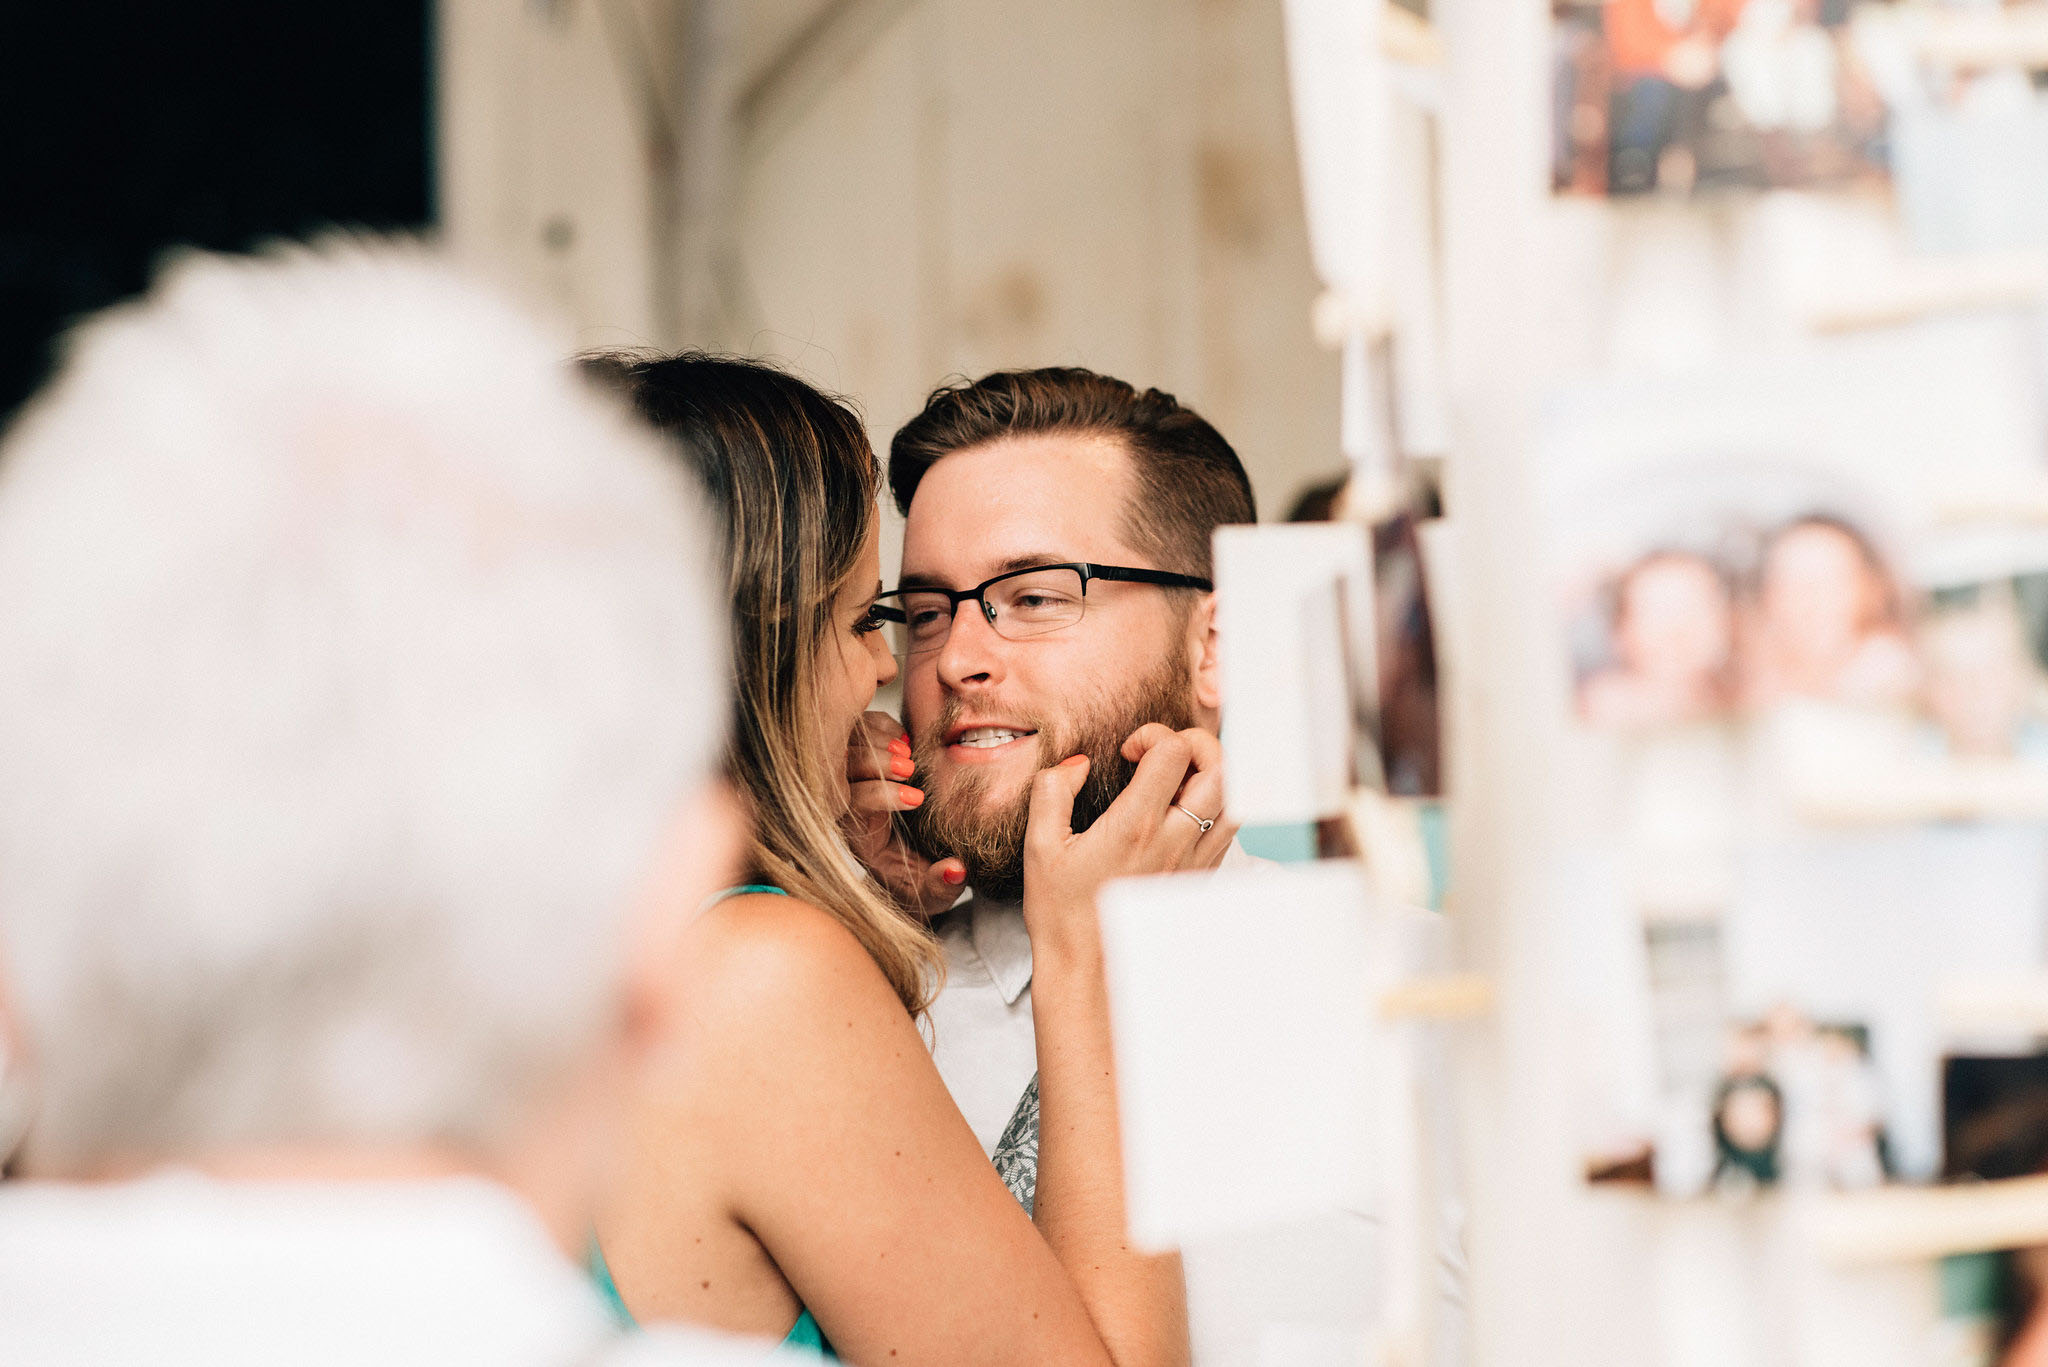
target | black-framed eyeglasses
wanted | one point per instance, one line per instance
(1019, 604)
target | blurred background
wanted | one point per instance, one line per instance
(880, 192)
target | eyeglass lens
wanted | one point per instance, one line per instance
(1022, 606)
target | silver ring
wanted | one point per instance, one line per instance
(1205, 825)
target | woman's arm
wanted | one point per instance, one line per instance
(1080, 1198)
(812, 1109)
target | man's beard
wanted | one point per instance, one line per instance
(989, 840)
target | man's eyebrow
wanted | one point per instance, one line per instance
(1026, 562)
(1015, 562)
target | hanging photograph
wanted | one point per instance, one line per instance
(1669, 96)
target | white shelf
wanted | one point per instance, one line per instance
(1901, 1224)
(1998, 1003)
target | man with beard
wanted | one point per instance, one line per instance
(1056, 598)
(1067, 517)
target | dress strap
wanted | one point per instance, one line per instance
(745, 888)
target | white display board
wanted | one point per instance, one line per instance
(1246, 1059)
(1300, 684)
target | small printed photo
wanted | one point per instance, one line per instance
(1982, 647)
(1799, 1104)
(1793, 1102)
(1404, 652)
(1995, 1126)
(1674, 95)
(1741, 619)
(1994, 1116)
(1858, 698)
(1411, 730)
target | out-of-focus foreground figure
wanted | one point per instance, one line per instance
(352, 782)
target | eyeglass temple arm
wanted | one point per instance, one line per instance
(1163, 578)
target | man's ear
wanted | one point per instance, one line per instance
(700, 854)
(1204, 664)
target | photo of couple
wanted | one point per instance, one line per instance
(1741, 621)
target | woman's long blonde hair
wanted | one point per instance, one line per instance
(792, 481)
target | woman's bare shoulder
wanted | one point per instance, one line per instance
(760, 958)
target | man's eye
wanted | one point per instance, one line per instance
(1042, 603)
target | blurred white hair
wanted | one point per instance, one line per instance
(353, 658)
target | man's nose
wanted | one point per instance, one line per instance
(972, 653)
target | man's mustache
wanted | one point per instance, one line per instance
(1108, 774)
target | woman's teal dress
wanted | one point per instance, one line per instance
(804, 1334)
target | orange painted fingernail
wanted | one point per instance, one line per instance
(954, 876)
(901, 745)
(913, 798)
(902, 768)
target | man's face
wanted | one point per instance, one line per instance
(986, 713)
(1677, 620)
(1819, 594)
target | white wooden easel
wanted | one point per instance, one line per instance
(1560, 1272)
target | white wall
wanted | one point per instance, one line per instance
(886, 192)
(542, 161)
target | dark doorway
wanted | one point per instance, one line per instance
(131, 126)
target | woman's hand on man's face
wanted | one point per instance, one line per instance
(877, 765)
(1156, 825)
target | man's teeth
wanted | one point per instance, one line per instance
(985, 737)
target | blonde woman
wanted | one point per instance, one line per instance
(802, 1172)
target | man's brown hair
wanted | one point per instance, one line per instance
(1186, 479)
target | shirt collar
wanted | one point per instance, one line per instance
(996, 930)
